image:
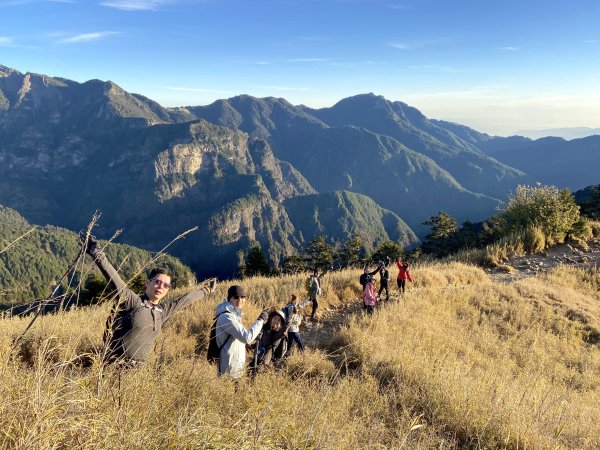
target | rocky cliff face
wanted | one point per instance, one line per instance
(368, 145)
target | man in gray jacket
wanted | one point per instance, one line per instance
(136, 320)
(231, 335)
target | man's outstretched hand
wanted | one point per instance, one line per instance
(91, 244)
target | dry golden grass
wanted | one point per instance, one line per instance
(459, 361)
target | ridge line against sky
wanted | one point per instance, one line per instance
(498, 67)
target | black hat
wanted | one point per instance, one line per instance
(235, 291)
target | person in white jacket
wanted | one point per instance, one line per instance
(231, 335)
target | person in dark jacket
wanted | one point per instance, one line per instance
(364, 278)
(384, 280)
(136, 320)
(272, 347)
(313, 287)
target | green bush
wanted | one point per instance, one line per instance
(546, 207)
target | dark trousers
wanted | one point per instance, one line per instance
(369, 309)
(315, 305)
(384, 285)
(401, 285)
(294, 336)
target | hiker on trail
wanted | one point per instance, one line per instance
(136, 320)
(403, 275)
(313, 287)
(273, 345)
(370, 297)
(294, 319)
(384, 279)
(364, 278)
(231, 335)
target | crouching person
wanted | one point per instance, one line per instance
(272, 347)
(274, 340)
(231, 335)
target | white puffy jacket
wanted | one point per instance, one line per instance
(232, 360)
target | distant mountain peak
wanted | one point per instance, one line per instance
(6, 71)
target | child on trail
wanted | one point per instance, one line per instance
(370, 296)
(294, 319)
(403, 275)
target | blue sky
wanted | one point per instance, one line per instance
(498, 66)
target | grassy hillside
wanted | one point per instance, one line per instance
(461, 361)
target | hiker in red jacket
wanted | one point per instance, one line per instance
(403, 275)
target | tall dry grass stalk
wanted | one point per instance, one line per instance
(459, 361)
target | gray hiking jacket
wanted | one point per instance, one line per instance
(135, 322)
(232, 359)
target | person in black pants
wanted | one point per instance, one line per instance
(384, 280)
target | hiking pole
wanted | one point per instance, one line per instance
(54, 290)
(255, 356)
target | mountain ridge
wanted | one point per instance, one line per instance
(242, 168)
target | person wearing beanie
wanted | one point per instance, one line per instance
(231, 335)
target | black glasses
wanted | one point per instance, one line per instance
(162, 283)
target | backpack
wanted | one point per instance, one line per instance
(312, 285)
(213, 353)
(289, 310)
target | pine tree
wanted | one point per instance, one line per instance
(443, 231)
(320, 253)
(256, 263)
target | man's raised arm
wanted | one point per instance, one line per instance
(187, 299)
(108, 271)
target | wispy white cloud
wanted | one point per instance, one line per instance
(280, 88)
(437, 68)
(591, 41)
(398, 6)
(87, 37)
(306, 60)
(509, 49)
(6, 40)
(399, 45)
(419, 44)
(263, 63)
(136, 5)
